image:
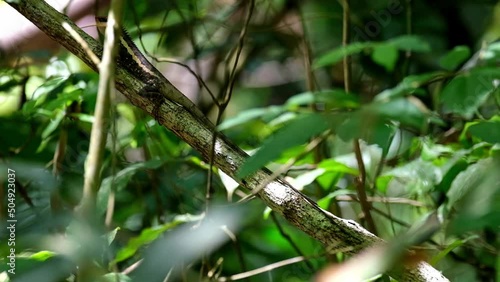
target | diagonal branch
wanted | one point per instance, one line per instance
(300, 211)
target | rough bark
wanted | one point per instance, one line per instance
(330, 230)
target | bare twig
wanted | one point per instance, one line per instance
(263, 269)
(385, 200)
(360, 185)
(361, 181)
(290, 240)
(92, 179)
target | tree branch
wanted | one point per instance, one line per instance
(278, 195)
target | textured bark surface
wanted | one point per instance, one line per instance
(303, 213)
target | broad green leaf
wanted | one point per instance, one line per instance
(383, 182)
(42, 255)
(308, 177)
(324, 202)
(417, 176)
(475, 196)
(407, 111)
(115, 277)
(333, 99)
(148, 235)
(470, 179)
(111, 235)
(64, 99)
(405, 42)
(465, 93)
(329, 179)
(338, 99)
(367, 125)
(83, 117)
(53, 124)
(407, 86)
(302, 99)
(338, 54)
(332, 165)
(297, 132)
(386, 55)
(453, 59)
(410, 43)
(249, 115)
(51, 86)
(488, 131)
(325, 167)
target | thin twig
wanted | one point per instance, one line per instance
(290, 240)
(360, 185)
(361, 182)
(227, 97)
(237, 247)
(93, 164)
(263, 269)
(82, 43)
(385, 200)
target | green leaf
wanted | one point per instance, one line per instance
(453, 59)
(324, 167)
(405, 42)
(417, 176)
(466, 93)
(64, 99)
(333, 99)
(333, 165)
(469, 180)
(42, 255)
(324, 202)
(53, 124)
(49, 88)
(111, 235)
(407, 86)
(383, 182)
(297, 132)
(308, 177)
(338, 54)
(475, 195)
(115, 277)
(410, 43)
(302, 99)
(386, 55)
(249, 115)
(338, 99)
(406, 111)
(147, 236)
(488, 131)
(367, 125)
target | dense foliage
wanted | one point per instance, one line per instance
(420, 109)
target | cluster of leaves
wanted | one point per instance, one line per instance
(429, 139)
